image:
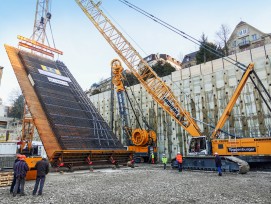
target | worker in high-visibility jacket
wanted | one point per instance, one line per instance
(179, 159)
(152, 158)
(164, 161)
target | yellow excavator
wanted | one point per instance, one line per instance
(143, 142)
(249, 149)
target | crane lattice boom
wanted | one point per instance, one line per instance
(139, 67)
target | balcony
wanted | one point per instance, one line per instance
(244, 44)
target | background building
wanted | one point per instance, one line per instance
(189, 60)
(153, 59)
(245, 37)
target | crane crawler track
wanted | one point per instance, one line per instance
(207, 163)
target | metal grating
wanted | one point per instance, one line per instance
(76, 123)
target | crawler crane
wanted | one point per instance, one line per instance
(141, 141)
(244, 148)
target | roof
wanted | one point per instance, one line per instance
(241, 23)
(189, 56)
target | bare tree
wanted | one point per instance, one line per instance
(180, 56)
(223, 34)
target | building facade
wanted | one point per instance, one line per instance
(153, 59)
(189, 60)
(203, 90)
(245, 37)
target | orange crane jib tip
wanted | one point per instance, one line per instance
(38, 47)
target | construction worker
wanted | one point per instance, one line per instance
(14, 175)
(20, 169)
(152, 158)
(164, 161)
(42, 167)
(179, 159)
(218, 164)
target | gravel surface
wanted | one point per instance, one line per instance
(147, 184)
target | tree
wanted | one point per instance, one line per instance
(17, 108)
(223, 35)
(163, 69)
(211, 53)
(95, 91)
(129, 79)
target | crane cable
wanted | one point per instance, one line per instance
(184, 35)
(140, 110)
(206, 47)
(123, 30)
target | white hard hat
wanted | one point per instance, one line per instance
(179, 153)
(164, 155)
(216, 153)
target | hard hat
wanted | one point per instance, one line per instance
(216, 153)
(164, 155)
(179, 153)
(22, 157)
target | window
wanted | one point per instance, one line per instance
(243, 32)
(243, 40)
(254, 37)
(220, 146)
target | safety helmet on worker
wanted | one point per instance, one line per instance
(216, 153)
(22, 157)
(179, 153)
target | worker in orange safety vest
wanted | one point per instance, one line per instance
(179, 159)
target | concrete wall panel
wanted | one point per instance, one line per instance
(210, 90)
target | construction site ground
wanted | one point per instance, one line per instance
(147, 183)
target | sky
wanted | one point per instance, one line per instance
(88, 55)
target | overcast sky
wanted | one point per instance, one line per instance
(88, 55)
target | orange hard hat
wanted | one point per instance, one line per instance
(22, 157)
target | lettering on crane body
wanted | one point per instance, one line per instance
(171, 105)
(242, 149)
(121, 103)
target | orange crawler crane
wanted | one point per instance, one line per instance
(141, 141)
(236, 152)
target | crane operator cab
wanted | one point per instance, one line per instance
(198, 145)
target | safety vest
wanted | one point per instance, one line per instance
(179, 158)
(152, 156)
(164, 160)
